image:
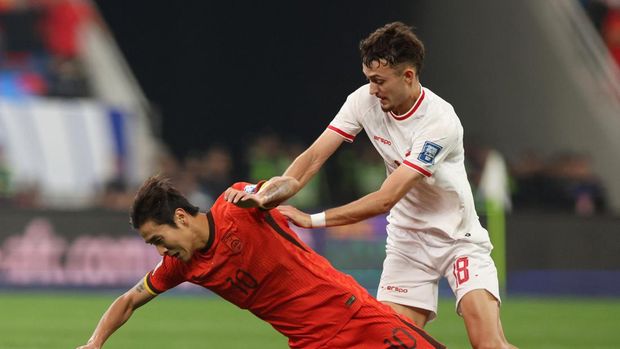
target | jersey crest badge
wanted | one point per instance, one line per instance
(250, 188)
(429, 152)
(233, 242)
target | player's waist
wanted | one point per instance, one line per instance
(308, 323)
(470, 233)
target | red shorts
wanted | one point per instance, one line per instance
(377, 326)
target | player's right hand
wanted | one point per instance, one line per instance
(242, 198)
(299, 218)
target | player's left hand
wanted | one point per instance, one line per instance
(242, 198)
(299, 218)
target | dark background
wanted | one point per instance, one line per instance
(220, 72)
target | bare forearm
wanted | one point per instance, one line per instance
(116, 315)
(304, 168)
(308, 163)
(278, 190)
(368, 206)
(392, 190)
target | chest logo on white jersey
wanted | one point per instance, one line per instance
(429, 151)
(383, 140)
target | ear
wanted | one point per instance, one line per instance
(410, 75)
(180, 216)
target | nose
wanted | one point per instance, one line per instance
(373, 88)
(162, 250)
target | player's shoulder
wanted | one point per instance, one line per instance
(167, 265)
(440, 111)
(437, 104)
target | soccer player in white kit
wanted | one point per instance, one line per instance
(433, 229)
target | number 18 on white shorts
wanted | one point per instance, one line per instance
(416, 261)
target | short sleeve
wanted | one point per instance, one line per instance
(346, 123)
(431, 146)
(163, 277)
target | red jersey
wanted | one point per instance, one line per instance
(255, 261)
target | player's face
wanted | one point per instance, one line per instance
(170, 241)
(391, 85)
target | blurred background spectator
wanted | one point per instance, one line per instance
(566, 183)
(39, 48)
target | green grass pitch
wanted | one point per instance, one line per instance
(65, 320)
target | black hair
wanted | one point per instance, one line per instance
(396, 44)
(156, 201)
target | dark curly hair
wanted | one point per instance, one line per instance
(156, 201)
(396, 44)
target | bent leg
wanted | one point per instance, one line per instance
(480, 311)
(378, 326)
(409, 284)
(417, 315)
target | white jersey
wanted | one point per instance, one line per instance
(428, 139)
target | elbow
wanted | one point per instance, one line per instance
(293, 183)
(385, 204)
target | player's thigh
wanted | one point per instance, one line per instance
(419, 316)
(374, 326)
(408, 276)
(471, 268)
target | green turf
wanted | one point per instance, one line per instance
(36, 321)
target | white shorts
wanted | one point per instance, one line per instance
(416, 261)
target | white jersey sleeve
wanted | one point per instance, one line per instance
(347, 122)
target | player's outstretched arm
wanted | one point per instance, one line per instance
(381, 201)
(308, 163)
(117, 314)
(279, 189)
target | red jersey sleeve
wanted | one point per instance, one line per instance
(164, 276)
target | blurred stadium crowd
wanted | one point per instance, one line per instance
(38, 56)
(38, 48)
(561, 183)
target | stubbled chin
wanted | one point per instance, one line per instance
(385, 106)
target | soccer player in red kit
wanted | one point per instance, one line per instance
(250, 257)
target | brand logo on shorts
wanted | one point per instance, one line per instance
(396, 289)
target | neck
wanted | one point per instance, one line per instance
(203, 231)
(416, 90)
